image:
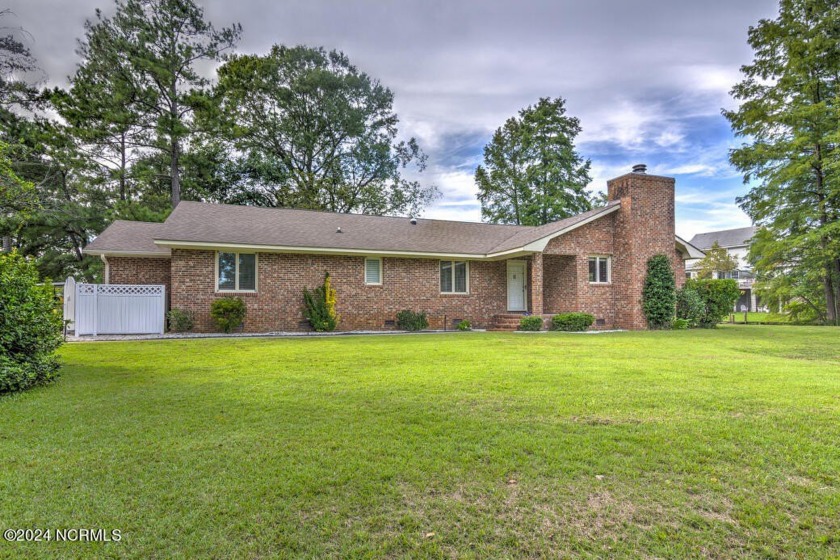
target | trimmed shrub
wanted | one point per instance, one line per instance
(228, 312)
(719, 297)
(30, 326)
(464, 326)
(681, 324)
(572, 322)
(411, 321)
(180, 320)
(659, 293)
(690, 306)
(319, 306)
(531, 323)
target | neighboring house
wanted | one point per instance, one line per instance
(486, 273)
(737, 244)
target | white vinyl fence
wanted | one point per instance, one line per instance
(118, 309)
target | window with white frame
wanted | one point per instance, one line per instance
(373, 271)
(600, 270)
(236, 272)
(454, 277)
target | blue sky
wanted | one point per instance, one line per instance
(647, 79)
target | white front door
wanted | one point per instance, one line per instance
(516, 286)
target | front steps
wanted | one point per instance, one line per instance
(505, 322)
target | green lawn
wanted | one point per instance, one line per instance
(758, 318)
(718, 444)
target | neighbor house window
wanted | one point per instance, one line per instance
(453, 277)
(373, 272)
(599, 270)
(236, 272)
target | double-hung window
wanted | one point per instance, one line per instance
(236, 272)
(454, 277)
(373, 272)
(600, 270)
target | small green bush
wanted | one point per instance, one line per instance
(30, 326)
(531, 323)
(319, 306)
(572, 322)
(464, 325)
(659, 293)
(228, 312)
(681, 324)
(180, 320)
(719, 297)
(690, 306)
(411, 321)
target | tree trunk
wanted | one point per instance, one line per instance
(7, 244)
(833, 302)
(830, 302)
(122, 167)
(175, 173)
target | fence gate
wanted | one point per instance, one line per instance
(68, 296)
(120, 308)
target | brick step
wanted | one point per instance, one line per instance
(505, 322)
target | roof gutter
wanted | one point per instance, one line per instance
(138, 254)
(215, 246)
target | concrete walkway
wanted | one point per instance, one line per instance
(175, 336)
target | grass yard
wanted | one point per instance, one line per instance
(759, 318)
(722, 444)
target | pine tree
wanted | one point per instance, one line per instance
(532, 174)
(790, 116)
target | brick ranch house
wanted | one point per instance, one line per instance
(488, 274)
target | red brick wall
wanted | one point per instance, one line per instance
(570, 290)
(560, 284)
(278, 304)
(136, 270)
(644, 227)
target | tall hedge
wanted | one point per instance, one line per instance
(719, 297)
(659, 294)
(30, 326)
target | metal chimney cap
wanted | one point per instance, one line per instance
(413, 221)
(640, 168)
(338, 229)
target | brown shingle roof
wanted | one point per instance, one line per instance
(280, 227)
(129, 237)
(531, 234)
(203, 223)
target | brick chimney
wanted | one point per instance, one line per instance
(644, 227)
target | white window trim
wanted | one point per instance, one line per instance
(454, 293)
(609, 269)
(379, 259)
(236, 290)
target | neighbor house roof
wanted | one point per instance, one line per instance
(200, 225)
(739, 237)
(124, 238)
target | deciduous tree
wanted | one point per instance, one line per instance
(315, 132)
(718, 260)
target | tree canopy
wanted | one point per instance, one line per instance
(144, 123)
(140, 71)
(314, 132)
(532, 173)
(789, 118)
(718, 260)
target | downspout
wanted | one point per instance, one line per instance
(107, 275)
